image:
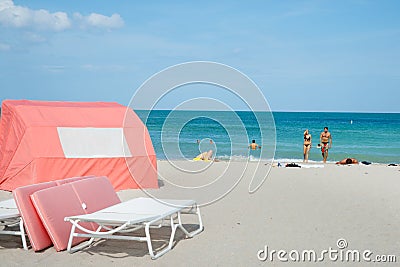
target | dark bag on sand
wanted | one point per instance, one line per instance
(293, 165)
(366, 162)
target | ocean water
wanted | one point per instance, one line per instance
(373, 137)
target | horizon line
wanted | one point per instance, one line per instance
(292, 111)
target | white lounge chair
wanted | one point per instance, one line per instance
(10, 217)
(133, 215)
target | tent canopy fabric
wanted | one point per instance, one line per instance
(43, 141)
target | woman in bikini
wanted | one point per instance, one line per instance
(306, 145)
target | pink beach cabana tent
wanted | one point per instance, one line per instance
(45, 141)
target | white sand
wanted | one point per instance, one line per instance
(295, 209)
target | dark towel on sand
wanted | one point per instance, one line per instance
(293, 165)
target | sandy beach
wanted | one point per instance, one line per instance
(205, 103)
(295, 209)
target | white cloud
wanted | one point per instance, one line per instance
(15, 16)
(6, 4)
(23, 17)
(95, 20)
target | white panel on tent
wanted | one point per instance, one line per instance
(93, 142)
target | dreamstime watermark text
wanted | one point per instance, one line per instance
(340, 253)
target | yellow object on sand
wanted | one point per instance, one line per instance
(197, 159)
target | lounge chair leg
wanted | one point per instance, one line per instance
(191, 234)
(148, 240)
(71, 237)
(22, 231)
(170, 243)
(81, 246)
(173, 231)
(90, 241)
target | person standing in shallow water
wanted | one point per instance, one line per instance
(306, 145)
(254, 145)
(325, 143)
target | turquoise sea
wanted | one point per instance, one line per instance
(373, 137)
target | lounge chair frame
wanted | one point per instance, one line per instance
(114, 228)
(10, 217)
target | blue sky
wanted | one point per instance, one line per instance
(304, 55)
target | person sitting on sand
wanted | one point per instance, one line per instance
(204, 156)
(254, 145)
(306, 145)
(325, 143)
(348, 161)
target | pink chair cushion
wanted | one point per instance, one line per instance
(73, 179)
(96, 193)
(79, 197)
(36, 232)
(53, 205)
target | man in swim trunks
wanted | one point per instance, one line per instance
(348, 161)
(326, 143)
(254, 145)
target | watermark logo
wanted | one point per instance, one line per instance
(205, 186)
(340, 253)
(341, 243)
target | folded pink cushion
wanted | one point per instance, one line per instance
(37, 233)
(34, 228)
(76, 198)
(53, 205)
